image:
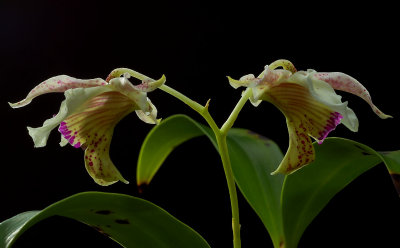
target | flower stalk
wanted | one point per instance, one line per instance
(220, 135)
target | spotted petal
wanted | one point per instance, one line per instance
(343, 82)
(245, 81)
(263, 82)
(305, 117)
(325, 94)
(74, 98)
(91, 126)
(57, 84)
(286, 64)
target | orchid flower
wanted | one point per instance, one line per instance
(89, 113)
(309, 103)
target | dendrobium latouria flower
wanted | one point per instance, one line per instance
(89, 113)
(309, 103)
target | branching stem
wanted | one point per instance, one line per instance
(220, 135)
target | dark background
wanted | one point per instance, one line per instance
(196, 45)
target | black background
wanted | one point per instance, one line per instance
(196, 45)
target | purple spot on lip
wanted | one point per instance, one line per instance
(77, 145)
(333, 121)
(63, 129)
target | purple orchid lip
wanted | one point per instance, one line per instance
(63, 129)
(332, 122)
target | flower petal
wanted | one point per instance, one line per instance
(149, 117)
(58, 84)
(268, 79)
(147, 84)
(344, 82)
(121, 71)
(305, 116)
(245, 81)
(74, 98)
(286, 64)
(324, 93)
(123, 86)
(260, 84)
(92, 126)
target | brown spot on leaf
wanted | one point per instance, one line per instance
(364, 152)
(122, 221)
(103, 212)
(282, 244)
(396, 181)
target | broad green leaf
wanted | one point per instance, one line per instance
(253, 158)
(160, 142)
(307, 191)
(286, 208)
(130, 221)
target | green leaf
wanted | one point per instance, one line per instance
(307, 191)
(286, 208)
(130, 221)
(392, 161)
(160, 142)
(253, 158)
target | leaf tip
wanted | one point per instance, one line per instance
(396, 181)
(142, 187)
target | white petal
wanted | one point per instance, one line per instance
(325, 94)
(73, 99)
(58, 84)
(148, 117)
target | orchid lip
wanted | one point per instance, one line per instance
(331, 125)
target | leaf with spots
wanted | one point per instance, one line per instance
(287, 205)
(130, 221)
(306, 192)
(253, 158)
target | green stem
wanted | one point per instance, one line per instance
(194, 105)
(220, 135)
(226, 162)
(232, 118)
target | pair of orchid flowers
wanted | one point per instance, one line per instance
(93, 107)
